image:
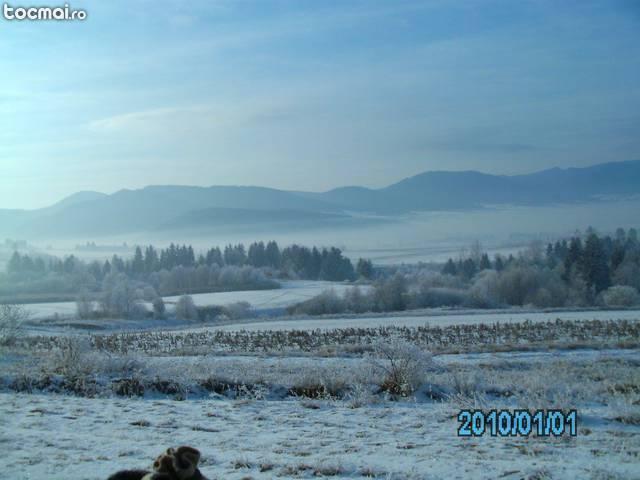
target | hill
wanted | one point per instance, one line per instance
(168, 207)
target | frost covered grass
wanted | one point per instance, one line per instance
(344, 403)
(77, 438)
(393, 369)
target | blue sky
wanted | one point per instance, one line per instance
(312, 94)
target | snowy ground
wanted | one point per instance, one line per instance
(76, 438)
(435, 318)
(359, 431)
(290, 293)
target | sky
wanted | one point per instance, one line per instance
(312, 94)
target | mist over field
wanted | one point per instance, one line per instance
(426, 217)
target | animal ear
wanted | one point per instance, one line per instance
(185, 462)
(189, 454)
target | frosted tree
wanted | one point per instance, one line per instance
(364, 268)
(186, 309)
(621, 296)
(84, 305)
(137, 264)
(12, 318)
(120, 297)
(159, 308)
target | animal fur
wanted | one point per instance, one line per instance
(129, 475)
(174, 464)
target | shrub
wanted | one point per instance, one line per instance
(120, 297)
(439, 297)
(326, 303)
(128, 387)
(620, 296)
(186, 309)
(628, 273)
(238, 310)
(12, 318)
(71, 358)
(517, 285)
(84, 305)
(356, 301)
(159, 308)
(403, 366)
(212, 312)
(319, 383)
(484, 291)
(391, 295)
(522, 285)
(359, 395)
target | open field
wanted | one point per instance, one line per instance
(46, 325)
(78, 438)
(322, 411)
(255, 433)
(362, 397)
(290, 293)
(435, 317)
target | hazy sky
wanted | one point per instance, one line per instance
(312, 94)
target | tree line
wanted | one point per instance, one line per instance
(295, 260)
(581, 271)
(174, 270)
(589, 262)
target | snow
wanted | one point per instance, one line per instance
(286, 370)
(437, 318)
(42, 310)
(72, 438)
(291, 292)
(77, 438)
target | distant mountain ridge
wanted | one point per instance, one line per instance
(156, 208)
(75, 198)
(443, 190)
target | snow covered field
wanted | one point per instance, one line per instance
(50, 435)
(306, 398)
(436, 318)
(291, 292)
(76, 438)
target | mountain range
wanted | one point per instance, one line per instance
(169, 208)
